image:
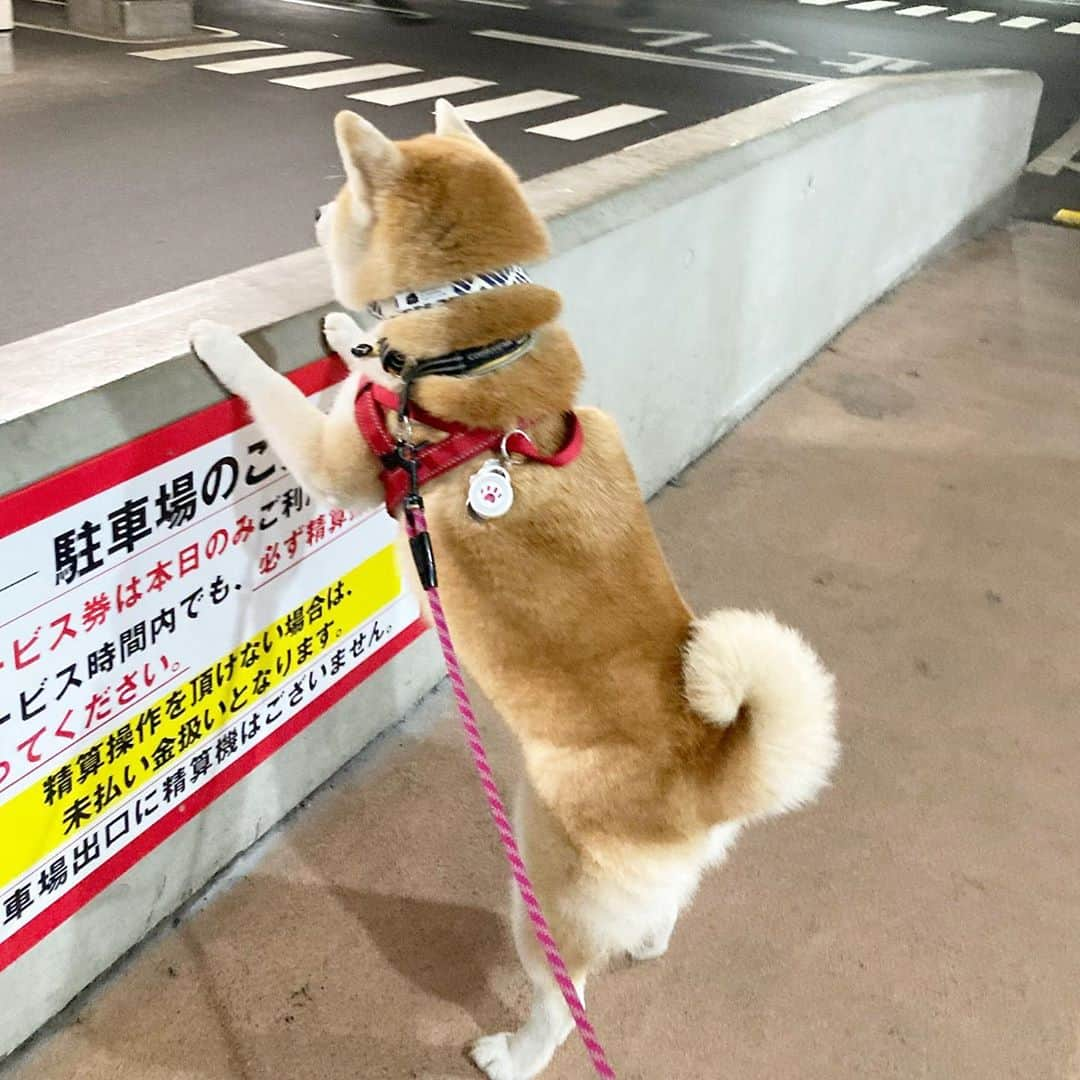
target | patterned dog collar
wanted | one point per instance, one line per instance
(418, 299)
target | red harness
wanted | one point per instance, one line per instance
(374, 403)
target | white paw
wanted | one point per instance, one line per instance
(342, 333)
(649, 949)
(225, 354)
(491, 1054)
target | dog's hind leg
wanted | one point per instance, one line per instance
(655, 943)
(523, 1054)
(326, 453)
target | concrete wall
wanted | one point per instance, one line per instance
(699, 271)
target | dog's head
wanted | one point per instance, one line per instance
(423, 212)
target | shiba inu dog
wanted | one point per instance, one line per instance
(649, 737)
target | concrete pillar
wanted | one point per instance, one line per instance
(134, 19)
(7, 26)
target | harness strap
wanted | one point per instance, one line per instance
(375, 403)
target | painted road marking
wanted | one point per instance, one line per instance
(497, 3)
(512, 104)
(401, 95)
(656, 58)
(921, 11)
(357, 5)
(1022, 22)
(596, 123)
(268, 63)
(342, 76)
(211, 48)
(1059, 155)
(674, 37)
(1068, 217)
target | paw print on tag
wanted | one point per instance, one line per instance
(490, 492)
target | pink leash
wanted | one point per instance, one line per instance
(416, 525)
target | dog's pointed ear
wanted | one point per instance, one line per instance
(371, 160)
(448, 121)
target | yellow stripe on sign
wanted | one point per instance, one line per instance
(1068, 217)
(58, 806)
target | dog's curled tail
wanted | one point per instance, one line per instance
(763, 685)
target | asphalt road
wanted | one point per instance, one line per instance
(125, 176)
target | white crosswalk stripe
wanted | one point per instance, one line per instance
(268, 63)
(275, 56)
(401, 95)
(1059, 155)
(1022, 22)
(596, 123)
(969, 16)
(209, 48)
(512, 105)
(343, 76)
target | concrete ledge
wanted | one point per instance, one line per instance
(699, 270)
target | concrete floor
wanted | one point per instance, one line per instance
(909, 500)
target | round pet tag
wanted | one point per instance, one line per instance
(490, 492)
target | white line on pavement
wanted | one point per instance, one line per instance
(596, 123)
(356, 5)
(920, 11)
(401, 95)
(1022, 22)
(210, 48)
(972, 16)
(1058, 155)
(497, 3)
(635, 54)
(268, 63)
(1068, 28)
(873, 5)
(343, 76)
(512, 104)
(217, 30)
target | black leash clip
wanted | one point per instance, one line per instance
(419, 539)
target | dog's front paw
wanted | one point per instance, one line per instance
(225, 354)
(343, 334)
(491, 1054)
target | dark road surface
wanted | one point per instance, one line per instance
(126, 176)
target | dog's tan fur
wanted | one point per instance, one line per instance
(648, 737)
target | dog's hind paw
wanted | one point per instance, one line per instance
(491, 1054)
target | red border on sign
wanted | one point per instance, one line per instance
(29, 505)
